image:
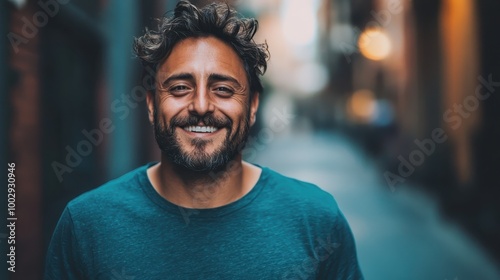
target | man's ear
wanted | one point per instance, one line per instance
(150, 102)
(254, 106)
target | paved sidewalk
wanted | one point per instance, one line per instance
(399, 234)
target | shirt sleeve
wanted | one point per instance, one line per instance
(342, 260)
(62, 260)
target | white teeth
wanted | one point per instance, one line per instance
(202, 129)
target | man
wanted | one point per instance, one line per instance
(202, 212)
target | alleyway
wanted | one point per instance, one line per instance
(399, 234)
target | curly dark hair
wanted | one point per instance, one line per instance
(217, 20)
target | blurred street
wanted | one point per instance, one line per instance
(399, 234)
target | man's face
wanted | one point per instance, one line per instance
(202, 109)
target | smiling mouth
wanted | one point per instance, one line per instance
(201, 129)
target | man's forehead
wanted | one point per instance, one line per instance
(202, 56)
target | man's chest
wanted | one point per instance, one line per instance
(206, 251)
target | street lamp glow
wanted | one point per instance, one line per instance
(361, 105)
(374, 44)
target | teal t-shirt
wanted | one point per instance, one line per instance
(282, 229)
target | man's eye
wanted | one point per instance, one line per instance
(224, 90)
(179, 88)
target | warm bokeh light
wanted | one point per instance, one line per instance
(374, 44)
(361, 106)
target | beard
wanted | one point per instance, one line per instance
(198, 159)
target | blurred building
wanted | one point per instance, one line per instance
(414, 82)
(438, 83)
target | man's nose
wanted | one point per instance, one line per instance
(201, 103)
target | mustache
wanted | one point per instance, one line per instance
(193, 120)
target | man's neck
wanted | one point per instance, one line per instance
(209, 189)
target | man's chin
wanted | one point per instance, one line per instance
(198, 154)
(202, 166)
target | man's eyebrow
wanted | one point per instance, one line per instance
(180, 76)
(214, 77)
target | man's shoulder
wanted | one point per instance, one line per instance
(111, 193)
(293, 186)
(300, 193)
